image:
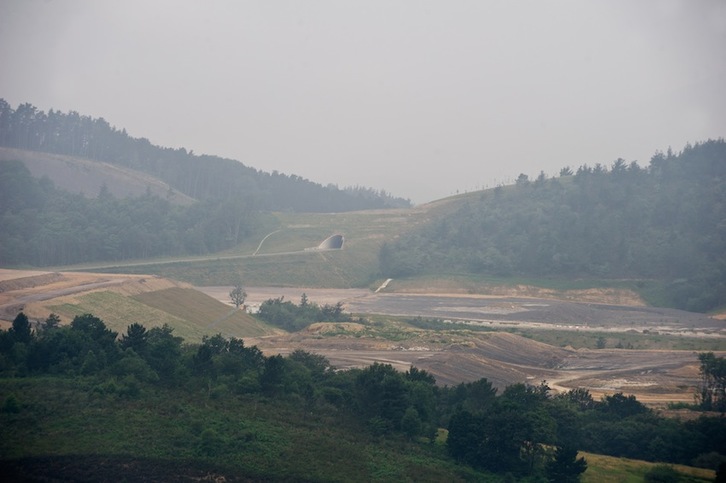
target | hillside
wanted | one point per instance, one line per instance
(45, 226)
(98, 436)
(223, 408)
(74, 189)
(284, 255)
(543, 340)
(204, 178)
(663, 224)
(121, 300)
(655, 230)
(87, 177)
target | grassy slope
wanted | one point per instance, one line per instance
(284, 258)
(192, 314)
(237, 436)
(279, 255)
(201, 309)
(356, 266)
(607, 469)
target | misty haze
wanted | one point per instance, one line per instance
(358, 241)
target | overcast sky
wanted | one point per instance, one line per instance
(420, 98)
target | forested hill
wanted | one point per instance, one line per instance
(205, 178)
(664, 222)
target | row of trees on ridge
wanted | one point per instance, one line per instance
(205, 177)
(664, 222)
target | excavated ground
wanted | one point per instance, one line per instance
(653, 376)
(503, 358)
(452, 356)
(28, 290)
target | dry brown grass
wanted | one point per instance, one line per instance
(609, 469)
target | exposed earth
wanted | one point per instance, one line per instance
(22, 290)
(452, 356)
(654, 376)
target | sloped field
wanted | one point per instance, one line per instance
(120, 300)
(205, 314)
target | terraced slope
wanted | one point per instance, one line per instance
(204, 314)
(120, 300)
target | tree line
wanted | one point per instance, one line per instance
(203, 177)
(288, 316)
(525, 431)
(663, 222)
(43, 225)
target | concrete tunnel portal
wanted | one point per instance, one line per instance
(333, 242)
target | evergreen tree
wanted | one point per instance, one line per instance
(21, 332)
(135, 338)
(565, 467)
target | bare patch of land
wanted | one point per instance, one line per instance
(451, 355)
(26, 290)
(460, 288)
(257, 295)
(655, 377)
(120, 300)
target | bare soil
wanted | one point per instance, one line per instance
(655, 377)
(452, 356)
(31, 291)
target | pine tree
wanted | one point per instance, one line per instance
(566, 467)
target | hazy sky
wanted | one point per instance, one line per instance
(420, 98)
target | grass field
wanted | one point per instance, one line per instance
(260, 439)
(119, 311)
(192, 314)
(607, 469)
(287, 256)
(204, 311)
